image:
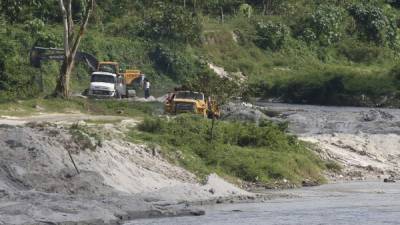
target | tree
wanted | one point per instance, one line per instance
(220, 89)
(71, 43)
(175, 23)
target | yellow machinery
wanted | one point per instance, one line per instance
(191, 102)
(129, 76)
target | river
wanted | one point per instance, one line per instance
(360, 139)
(340, 204)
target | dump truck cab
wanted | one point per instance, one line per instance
(189, 102)
(108, 81)
(103, 84)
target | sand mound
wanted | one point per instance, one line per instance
(39, 184)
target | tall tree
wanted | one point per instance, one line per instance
(72, 41)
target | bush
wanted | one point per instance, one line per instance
(333, 166)
(373, 25)
(394, 3)
(395, 73)
(360, 53)
(151, 125)
(253, 153)
(325, 24)
(271, 35)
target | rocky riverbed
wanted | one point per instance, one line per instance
(365, 141)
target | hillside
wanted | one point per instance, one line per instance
(319, 52)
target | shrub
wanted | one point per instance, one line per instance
(360, 53)
(151, 125)
(253, 153)
(333, 166)
(324, 24)
(394, 3)
(373, 25)
(395, 73)
(271, 35)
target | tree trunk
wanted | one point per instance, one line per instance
(62, 88)
(264, 8)
(71, 44)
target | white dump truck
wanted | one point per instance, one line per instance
(111, 85)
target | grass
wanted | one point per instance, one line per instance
(89, 106)
(333, 166)
(262, 154)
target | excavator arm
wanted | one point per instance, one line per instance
(39, 54)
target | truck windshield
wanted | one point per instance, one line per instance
(189, 95)
(103, 78)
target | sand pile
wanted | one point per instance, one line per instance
(118, 180)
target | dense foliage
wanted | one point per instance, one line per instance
(278, 45)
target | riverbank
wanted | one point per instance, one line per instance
(113, 181)
(119, 180)
(364, 141)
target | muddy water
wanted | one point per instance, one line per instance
(340, 204)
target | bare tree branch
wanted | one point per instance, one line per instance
(66, 28)
(89, 9)
(70, 21)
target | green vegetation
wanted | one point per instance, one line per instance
(96, 107)
(261, 154)
(333, 166)
(277, 45)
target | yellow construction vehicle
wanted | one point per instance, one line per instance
(129, 76)
(191, 102)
